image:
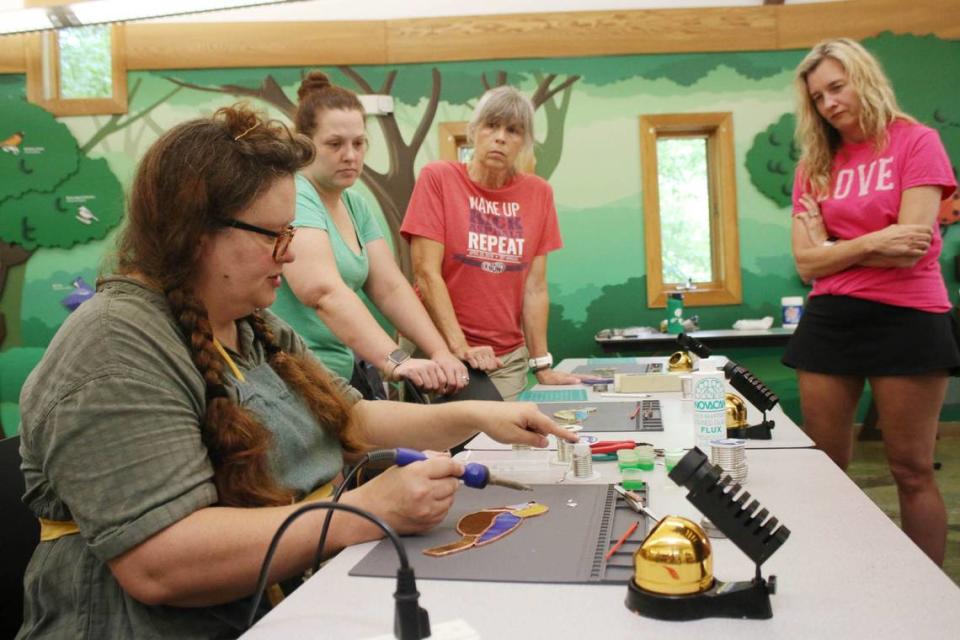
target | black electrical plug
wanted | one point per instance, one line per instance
(411, 621)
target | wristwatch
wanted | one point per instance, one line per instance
(543, 362)
(397, 358)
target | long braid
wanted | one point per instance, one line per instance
(312, 384)
(237, 442)
(197, 176)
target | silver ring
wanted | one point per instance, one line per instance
(465, 378)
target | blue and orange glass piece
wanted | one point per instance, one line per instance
(483, 527)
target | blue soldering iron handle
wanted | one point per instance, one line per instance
(475, 475)
(406, 456)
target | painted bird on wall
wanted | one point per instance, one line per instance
(86, 216)
(80, 294)
(12, 143)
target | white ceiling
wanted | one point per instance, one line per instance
(327, 10)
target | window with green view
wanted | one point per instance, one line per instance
(684, 189)
(85, 62)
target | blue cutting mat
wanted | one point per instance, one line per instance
(554, 395)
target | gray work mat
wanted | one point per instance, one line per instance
(612, 416)
(566, 544)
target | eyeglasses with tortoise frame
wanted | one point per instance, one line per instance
(281, 239)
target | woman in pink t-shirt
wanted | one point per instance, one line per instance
(479, 237)
(866, 197)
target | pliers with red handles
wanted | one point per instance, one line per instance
(612, 446)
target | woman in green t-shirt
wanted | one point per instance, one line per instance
(341, 251)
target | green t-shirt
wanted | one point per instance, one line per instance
(353, 270)
(110, 438)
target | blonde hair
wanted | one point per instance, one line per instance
(505, 105)
(817, 138)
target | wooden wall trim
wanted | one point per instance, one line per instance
(804, 25)
(588, 33)
(254, 44)
(13, 53)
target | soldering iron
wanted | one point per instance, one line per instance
(475, 475)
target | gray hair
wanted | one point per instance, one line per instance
(504, 104)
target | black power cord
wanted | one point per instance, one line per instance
(411, 621)
(378, 455)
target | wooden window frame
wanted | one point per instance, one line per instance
(43, 77)
(726, 287)
(452, 136)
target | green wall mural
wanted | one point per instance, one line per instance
(588, 145)
(52, 196)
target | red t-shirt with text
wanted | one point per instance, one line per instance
(490, 237)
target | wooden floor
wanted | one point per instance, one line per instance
(869, 470)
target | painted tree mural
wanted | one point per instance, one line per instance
(393, 187)
(120, 122)
(51, 194)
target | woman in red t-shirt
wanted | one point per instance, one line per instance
(479, 234)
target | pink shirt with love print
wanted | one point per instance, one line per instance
(865, 193)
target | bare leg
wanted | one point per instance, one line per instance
(909, 409)
(829, 403)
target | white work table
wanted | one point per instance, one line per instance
(846, 571)
(676, 412)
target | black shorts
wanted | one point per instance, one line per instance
(841, 335)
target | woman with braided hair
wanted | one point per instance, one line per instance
(173, 422)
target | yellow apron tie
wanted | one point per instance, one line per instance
(55, 529)
(230, 363)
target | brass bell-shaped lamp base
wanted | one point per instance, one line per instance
(737, 424)
(673, 567)
(680, 362)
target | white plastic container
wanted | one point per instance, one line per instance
(709, 404)
(791, 310)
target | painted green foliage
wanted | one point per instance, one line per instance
(772, 159)
(773, 156)
(43, 310)
(13, 86)
(51, 195)
(923, 72)
(39, 150)
(15, 365)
